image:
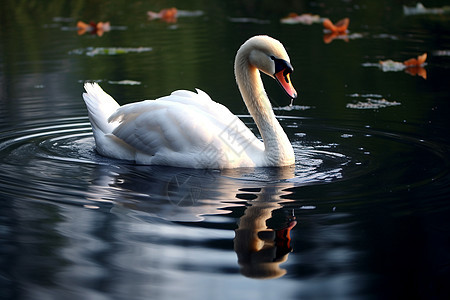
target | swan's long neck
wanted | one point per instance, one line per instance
(278, 149)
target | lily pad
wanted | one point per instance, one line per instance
(91, 51)
(372, 104)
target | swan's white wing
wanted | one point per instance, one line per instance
(152, 126)
(181, 127)
(199, 101)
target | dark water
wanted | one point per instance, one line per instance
(367, 201)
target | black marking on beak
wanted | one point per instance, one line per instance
(282, 65)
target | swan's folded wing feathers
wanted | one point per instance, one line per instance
(131, 111)
(163, 130)
(185, 122)
(200, 100)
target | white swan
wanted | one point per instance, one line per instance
(188, 129)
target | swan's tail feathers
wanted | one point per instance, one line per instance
(100, 106)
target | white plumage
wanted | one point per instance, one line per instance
(186, 129)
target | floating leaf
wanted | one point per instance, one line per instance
(442, 53)
(292, 107)
(168, 15)
(335, 31)
(416, 62)
(420, 9)
(306, 19)
(390, 65)
(125, 82)
(94, 28)
(412, 66)
(340, 27)
(189, 13)
(90, 51)
(372, 104)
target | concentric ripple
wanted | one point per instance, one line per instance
(44, 161)
(55, 161)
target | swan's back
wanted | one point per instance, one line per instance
(184, 129)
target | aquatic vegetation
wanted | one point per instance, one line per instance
(420, 9)
(370, 103)
(385, 36)
(292, 107)
(189, 13)
(390, 65)
(412, 66)
(125, 82)
(93, 51)
(306, 19)
(441, 53)
(339, 30)
(170, 15)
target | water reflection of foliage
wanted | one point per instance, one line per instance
(192, 56)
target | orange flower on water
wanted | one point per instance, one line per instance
(168, 15)
(416, 62)
(83, 27)
(340, 27)
(94, 28)
(412, 66)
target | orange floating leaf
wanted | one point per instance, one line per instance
(168, 15)
(422, 58)
(340, 27)
(329, 25)
(93, 28)
(415, 62)
(82, 27)
(104, 26)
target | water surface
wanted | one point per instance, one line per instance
(362, 215)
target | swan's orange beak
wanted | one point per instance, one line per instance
(283, 78)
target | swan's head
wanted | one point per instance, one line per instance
(269, 56)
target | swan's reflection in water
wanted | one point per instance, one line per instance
(187, 195)
(260, 249)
